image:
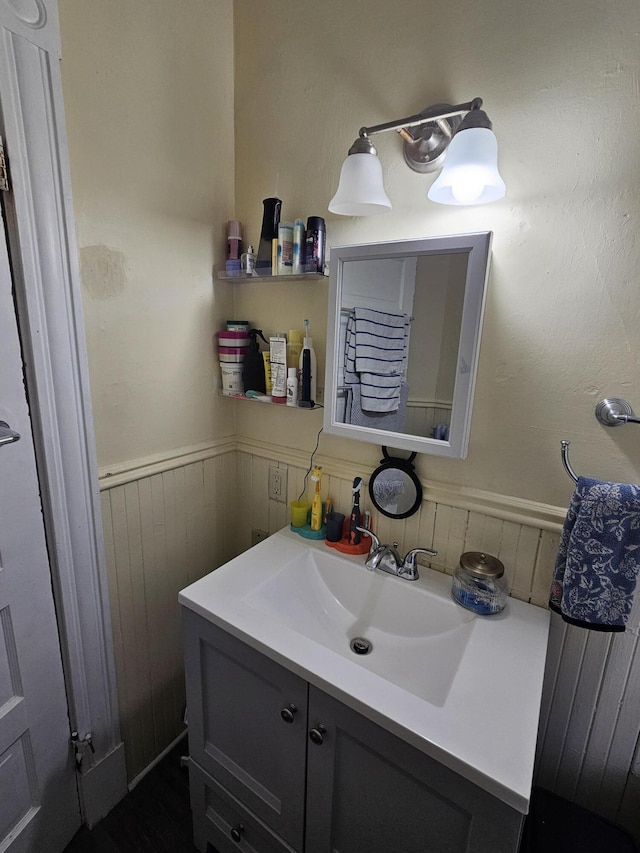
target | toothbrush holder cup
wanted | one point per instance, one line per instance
(299, 513)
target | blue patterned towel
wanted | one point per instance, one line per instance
(599, 556)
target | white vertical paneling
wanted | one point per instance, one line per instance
(521, 557)
(543, 570)
(629, 813)
(624, 661)
(582, 709)
(156, 605)
(566, 681)
(243, 498)
(161, 533)
(606, 722)
(450, 534)
(197, 523)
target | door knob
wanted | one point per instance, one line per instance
(288, 713)
(7, 435)
(317, 735)
(236, 832)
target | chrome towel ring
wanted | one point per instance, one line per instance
(610, 412)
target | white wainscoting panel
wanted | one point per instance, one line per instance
(162, 532)
(590, 722)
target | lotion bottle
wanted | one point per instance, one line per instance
(285, 248)
(292, 386)
(298, 247)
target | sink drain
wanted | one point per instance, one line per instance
(360, 646)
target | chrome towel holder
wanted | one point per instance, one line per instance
(610, 412)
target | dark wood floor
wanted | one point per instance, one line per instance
(153, 818)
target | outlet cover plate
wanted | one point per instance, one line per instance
(258, 536)
(278, 483)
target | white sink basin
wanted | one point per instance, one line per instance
(462, 688)
(417, 638)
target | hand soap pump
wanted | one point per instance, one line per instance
(316, 506)
(308, 369)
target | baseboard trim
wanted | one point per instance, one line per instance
(137, 779)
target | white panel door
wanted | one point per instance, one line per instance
(39, 808)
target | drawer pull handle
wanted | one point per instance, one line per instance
(317, 735)
(236, 832)
(288, 713)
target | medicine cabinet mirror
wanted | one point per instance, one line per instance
(403, 336)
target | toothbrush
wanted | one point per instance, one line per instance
(316, 506)
(354, 535)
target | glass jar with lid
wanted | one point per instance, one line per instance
(479, 583)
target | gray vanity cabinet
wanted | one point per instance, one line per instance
(318, 779)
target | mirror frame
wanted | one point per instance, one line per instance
(477, 246)
(404, 466)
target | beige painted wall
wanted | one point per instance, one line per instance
(560, 82)
(148, 90)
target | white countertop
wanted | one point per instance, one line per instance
(485, 729)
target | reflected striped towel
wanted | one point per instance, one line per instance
(376, 356)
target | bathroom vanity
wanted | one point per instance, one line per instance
(297, 743)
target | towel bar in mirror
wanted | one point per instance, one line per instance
(403, 336)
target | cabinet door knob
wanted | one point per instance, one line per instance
(236, 832)
(317, 735)
(288, 713)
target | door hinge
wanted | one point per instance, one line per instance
(4, 176)
(80, 745)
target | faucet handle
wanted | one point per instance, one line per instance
(408, 568)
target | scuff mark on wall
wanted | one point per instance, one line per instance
(103, 272)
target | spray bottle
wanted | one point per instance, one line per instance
(316, 506)
(253, 376)
(356, 518)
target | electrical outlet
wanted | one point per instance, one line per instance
(278, 483)
(257, 536)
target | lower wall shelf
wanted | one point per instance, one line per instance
(269, 402)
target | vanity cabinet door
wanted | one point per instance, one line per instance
(247, 725)
(369, 790)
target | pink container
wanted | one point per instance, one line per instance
(233, 339)
(231, 354)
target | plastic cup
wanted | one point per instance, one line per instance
(299, 513)
(335, 521)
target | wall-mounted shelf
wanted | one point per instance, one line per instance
(232, 396)
(270, 279)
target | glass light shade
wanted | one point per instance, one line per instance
(361, 190)
(470, 173)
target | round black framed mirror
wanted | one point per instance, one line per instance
(394, 487)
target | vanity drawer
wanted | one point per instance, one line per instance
(220, 820)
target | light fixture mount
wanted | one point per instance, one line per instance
(426, 145)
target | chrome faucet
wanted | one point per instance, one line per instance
(387, 559)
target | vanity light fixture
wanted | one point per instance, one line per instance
(459, 136)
